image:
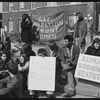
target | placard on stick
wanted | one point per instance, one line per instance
(42, 73)
(88, 67)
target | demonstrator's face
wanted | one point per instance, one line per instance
(66, 42)
(96, 45)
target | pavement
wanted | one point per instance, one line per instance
(57, 95)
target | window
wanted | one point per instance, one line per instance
(72, 20)
(21, 5)
(63, 3)
(20, 25)
(10, 22)
(33, 5)
(11, 6)
(50, 4)
(74, 3)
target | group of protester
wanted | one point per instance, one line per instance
(14, 73)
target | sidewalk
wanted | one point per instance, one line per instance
(57, 95)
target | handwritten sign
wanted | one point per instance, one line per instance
(88, 68)
(42, 73)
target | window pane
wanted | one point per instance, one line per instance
(10, 6)
(72, 20)
(33, 5)
(21, 5)
(50, 4)
(62, 3)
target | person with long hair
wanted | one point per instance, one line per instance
(94, 49)
(23, 63)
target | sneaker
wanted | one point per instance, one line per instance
(49, 96)
(71, 92)
(34, 96)
(65, 95)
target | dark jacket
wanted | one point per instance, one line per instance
(5, 66)
(92, 51)
(28, 31)
(75, 55)
(14, 86)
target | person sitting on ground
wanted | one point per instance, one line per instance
(94, 49)
(4, 64)
(23, 63)
(12, 84)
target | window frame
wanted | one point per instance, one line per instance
(11, 7)
(74, 21)
(20, 5)
(32, 6)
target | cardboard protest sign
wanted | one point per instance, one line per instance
(50, 26)
(88, 67)
(42, 73)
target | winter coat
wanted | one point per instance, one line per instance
(75, 55)
(92, 51)
(14, 86)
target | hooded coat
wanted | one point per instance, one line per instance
(27, 30)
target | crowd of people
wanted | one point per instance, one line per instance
(14, 73)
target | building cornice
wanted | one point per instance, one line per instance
(42, 7)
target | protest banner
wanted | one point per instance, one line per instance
(50, 26)
(42, 73)
(88, 68)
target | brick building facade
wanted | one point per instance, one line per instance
(12, 11)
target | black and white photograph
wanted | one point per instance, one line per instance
(49, 49)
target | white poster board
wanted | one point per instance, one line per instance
(42, 73)
(88, 67)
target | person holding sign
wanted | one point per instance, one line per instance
(54, 52)
(94, 49)
(80, 31)
(33, 93)
(69, 56)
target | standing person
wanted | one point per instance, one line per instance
(28, 32)
(5, 39)
(94, 49)
(3, 35)
(54, 52)
(69, 52)
(80, 31)
(26, 28)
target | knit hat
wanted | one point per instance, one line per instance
(24, 16)
(79, 14)
(51, 42)
(42, 51)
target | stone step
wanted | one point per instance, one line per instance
(87, 90)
